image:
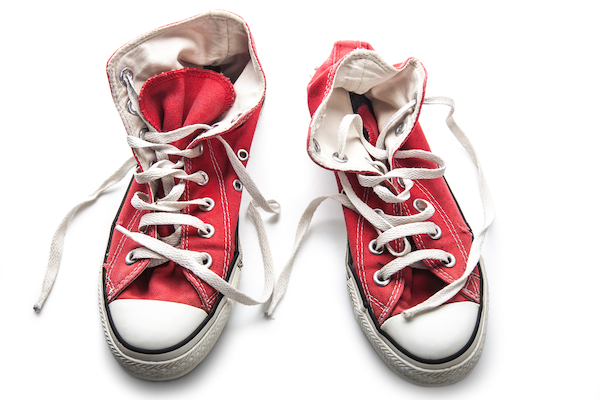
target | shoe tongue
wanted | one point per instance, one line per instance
(361, 105)
(185, 97)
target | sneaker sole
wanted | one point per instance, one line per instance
(403, 365)
(178, 362)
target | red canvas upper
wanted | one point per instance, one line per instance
(410, 286)
(169, 101)
(184, 97)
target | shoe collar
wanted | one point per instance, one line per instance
(225, 44)
(389, 87)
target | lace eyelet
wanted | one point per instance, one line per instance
(451, 262)
(125, 72)
(210, 231)
(130, 108)
(208, 261)
(316, 146)
(379, 166)
(373, 248)
(129, 260)
(341, 159)
(400, 128)
(237, 185)
(420, 205)
(205, 176)
(242, 155)
(380, 282)
(210, 204)
(236, 118)
(437, 234)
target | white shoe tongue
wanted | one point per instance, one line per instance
(185, 97)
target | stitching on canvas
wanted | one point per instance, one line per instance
(397, 285)
(446, 219)
(225, 204)
(120, 245)
(186, 240)
(457, 240)
(226, 214)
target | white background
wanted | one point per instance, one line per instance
(525, 78)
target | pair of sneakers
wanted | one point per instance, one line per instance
(190, 95)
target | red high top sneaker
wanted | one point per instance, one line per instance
(415, 277)
(190, 95)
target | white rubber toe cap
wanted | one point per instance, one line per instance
(152, 324)
(436, 334)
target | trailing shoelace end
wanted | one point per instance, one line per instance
(57, 240)
(279, 289)
(271, 308)
(37, 307)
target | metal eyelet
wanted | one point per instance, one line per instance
(129, 260)
(379, 166)
(400, 128)
(125, 72)
(210, 204)
(130, 108)
(420, 205)
(451, 262)
(316, 146)
(242, 155)
(205, 176)
(208, 261)
(437, 234)
(210, 231)
(142, 132)
(373, 248)
(236, 118)
(341, 159)
(237, 185)
(378, 281)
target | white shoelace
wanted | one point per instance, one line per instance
(166, 211)
(389, 227)
(56, 247)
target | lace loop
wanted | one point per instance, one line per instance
(167, 209)
(56, 247)
(390, 227)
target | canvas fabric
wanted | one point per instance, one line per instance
(355, 73)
